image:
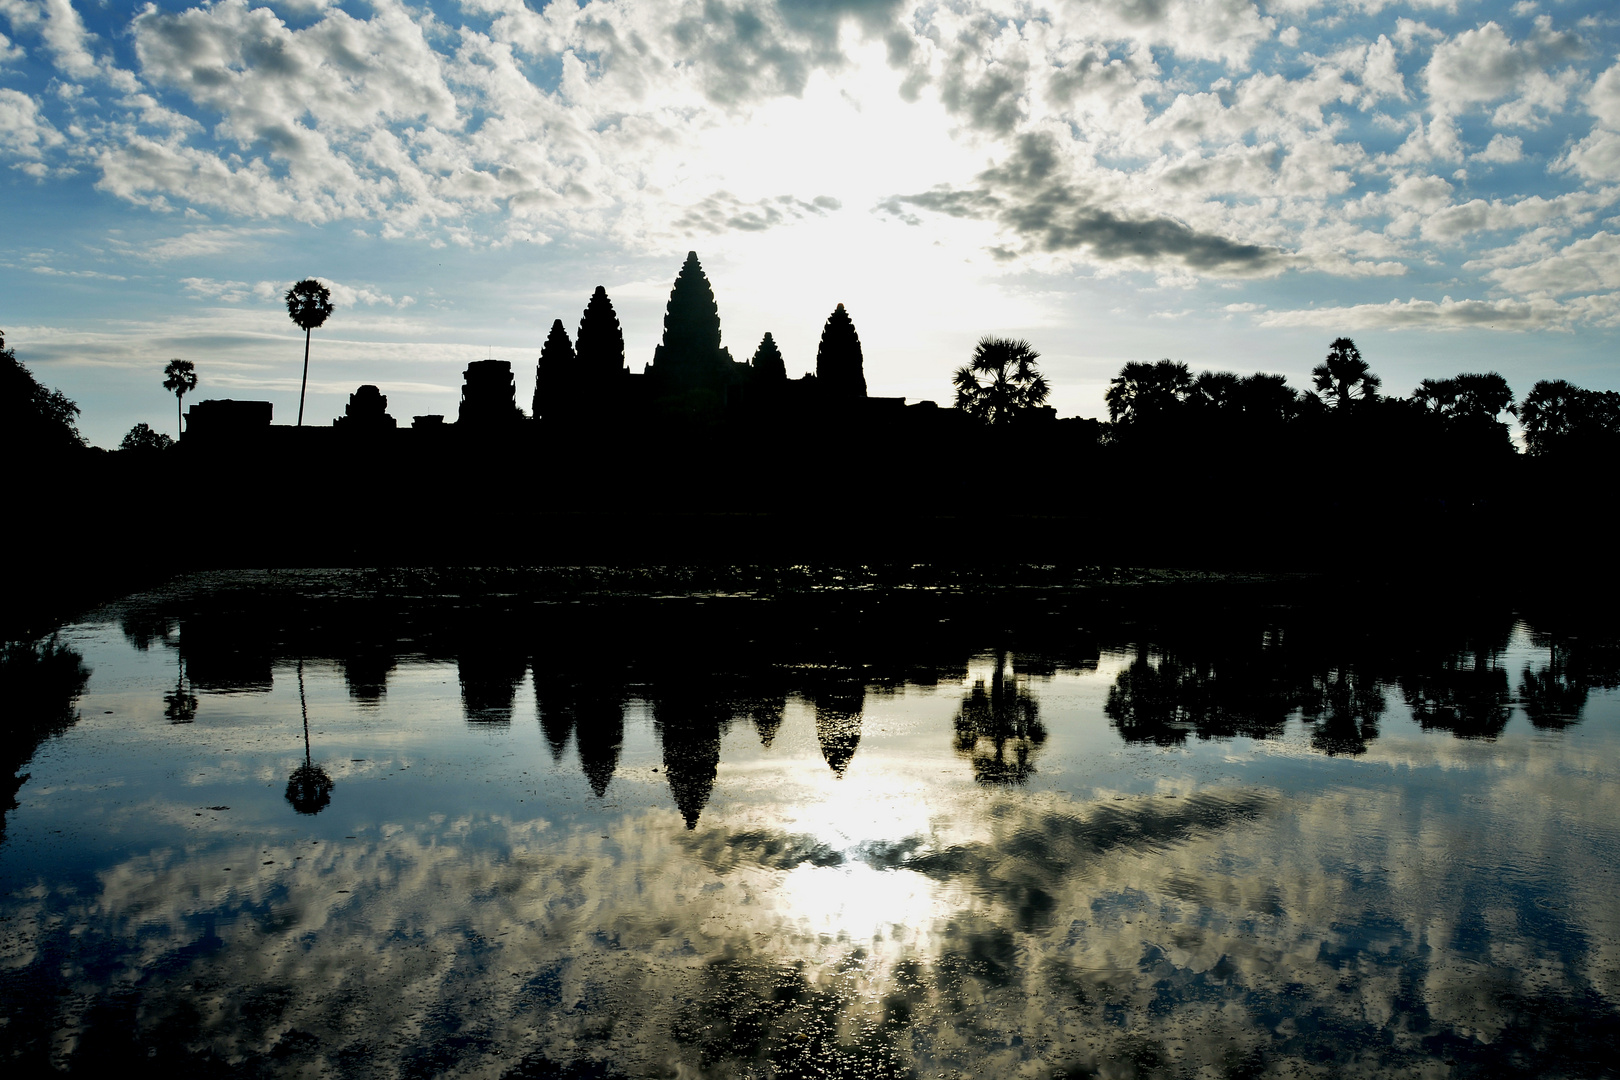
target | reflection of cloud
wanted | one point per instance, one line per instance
(1347, 915)
(1081, 933)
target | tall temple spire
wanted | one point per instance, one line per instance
(556, 377)
(839, 366)
(691, 351)
(600, 345)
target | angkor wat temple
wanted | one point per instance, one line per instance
(692, 379)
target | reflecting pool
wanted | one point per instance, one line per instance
(397, 825)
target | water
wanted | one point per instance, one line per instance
(1168, 830)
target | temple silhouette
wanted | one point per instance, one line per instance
(585, 382)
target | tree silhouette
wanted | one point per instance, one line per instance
(179, 379)
(309, 788)
(308, 305)
(555, 375)
(1266, 398)
(1143, 391)
(1344, 378)
(1438, 396)
(1000, 384)
(600, 345)
(141, 439)
(31, 415)
(1469, 396)
(839, 364)
(1557, 415)
(999, 729)
(1483, 396)
(767, 362)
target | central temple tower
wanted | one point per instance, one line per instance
(691, 357)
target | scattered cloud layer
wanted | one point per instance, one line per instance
(1467, 149)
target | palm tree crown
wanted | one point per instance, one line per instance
(179, 379)
(1143, 391)
(1001, 383)
(308, 304)
(1344, 377)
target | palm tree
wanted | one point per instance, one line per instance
(1344, 376)
(1438, 396)
(179, 379)
(1001, 383)
(308, 304)
(1143, 391)
(1551, 412)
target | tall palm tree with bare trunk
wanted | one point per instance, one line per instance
(308, 304)
(179, 379)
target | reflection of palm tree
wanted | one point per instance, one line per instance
(309, 788)
(1149, 704)
(1470, 702)
(1343, 709)
(181, 706)
(1000, 729)
(1555, 696)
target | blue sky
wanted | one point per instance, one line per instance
(1228, 183)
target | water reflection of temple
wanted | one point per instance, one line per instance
(701, 669)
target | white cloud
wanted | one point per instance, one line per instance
(1602, 100)
(1483, 65)
(1588, 265)
(1595, 158)
(1501, 150)
(23, 131)
(9, 53)
(63, 32)
(1447, 314)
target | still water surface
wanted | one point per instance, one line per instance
(847, 833)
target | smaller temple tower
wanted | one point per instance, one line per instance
(367, 411)
(489, 395)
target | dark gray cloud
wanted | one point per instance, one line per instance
(758, 48)
(1031, 196)
(985, 92)
(724, 212)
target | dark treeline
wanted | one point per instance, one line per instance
(704, 459)
(1211, 660)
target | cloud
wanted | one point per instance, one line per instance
(1447, 314)
(723, 212)
(231, 292)
(1588, 265)
(23, 131)
(67, 41)
(210, 240)
(1501, 150)
(1041, 209)
(1228, 31)
(9, 53)
(1483, 65)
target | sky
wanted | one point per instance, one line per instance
(1228, 183)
